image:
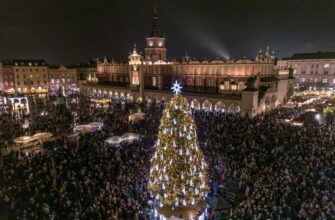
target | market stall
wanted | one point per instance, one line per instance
(138, 116)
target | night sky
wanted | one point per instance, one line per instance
(72, 31)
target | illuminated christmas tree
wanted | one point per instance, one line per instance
(178, 169)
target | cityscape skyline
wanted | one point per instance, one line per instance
(60, 33)
(167, 109)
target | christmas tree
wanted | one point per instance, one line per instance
(178, 169)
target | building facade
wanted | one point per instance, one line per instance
(247, 86)
(30, 76)
(1, 78)
(63, 80)
(312, 71)
(8, 77)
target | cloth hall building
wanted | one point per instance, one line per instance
(246, 86)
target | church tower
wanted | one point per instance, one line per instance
(155, 46)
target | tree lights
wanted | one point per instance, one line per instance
(178, 169)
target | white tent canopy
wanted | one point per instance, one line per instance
(23, 140)
(130, 137)
(96, 125)
(83, 129)
(116, 140)
(43, 136)
(136, 116)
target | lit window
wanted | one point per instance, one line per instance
(233, 87)
(135, 79)
(154, 81)
(334, 81)
(302, 79)
(221, 87)
(325, 80)
(52, 81)
(326, 65)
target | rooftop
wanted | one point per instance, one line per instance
(306, 56)
(29, 62)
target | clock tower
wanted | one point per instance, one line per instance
(155, 46)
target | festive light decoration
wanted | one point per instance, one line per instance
(183, 167)
(176, 88)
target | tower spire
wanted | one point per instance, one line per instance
(155, 10)
(155, 28)
(134, 47)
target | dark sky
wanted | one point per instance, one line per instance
(71, 31)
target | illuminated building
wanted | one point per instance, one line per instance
(311, 70)
(30, 76)
(1, 78)
(8, 77)
(64, 79)
(246, 86)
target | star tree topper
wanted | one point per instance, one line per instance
(176, 87)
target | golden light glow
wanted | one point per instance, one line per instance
(178, 169)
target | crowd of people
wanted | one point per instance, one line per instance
(282, 171)
(276, 170)
(84, 179)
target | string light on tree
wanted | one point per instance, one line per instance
(183, 165)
